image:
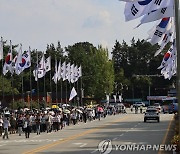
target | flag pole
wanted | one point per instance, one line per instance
(50, 78)
(12, 84)
(81, 91)
(77, 93)
(22, 82)
(66, 93)
(56, 84)
(44, 82)
(37, 78)
(2, 70)
(61, 91)
(30, 79)
(22, 88)
(177, 24)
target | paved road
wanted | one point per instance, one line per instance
(119, 131)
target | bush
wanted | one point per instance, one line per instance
(176, 137)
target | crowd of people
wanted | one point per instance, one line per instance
(48, 120)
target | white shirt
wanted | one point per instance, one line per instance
(1, 122)
(6, 123)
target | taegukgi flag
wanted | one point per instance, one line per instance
(8, 60)
(157, 14)
(168, 37)
(1, 48)
(19, 64)
(134, 10)
(161, 29)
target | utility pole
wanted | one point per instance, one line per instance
(177, 22)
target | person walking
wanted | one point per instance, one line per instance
(141, 108)
(20, 124)
(27, 126)
(38, 123)
(1, 125)
(6, 125)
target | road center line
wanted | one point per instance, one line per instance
(165, 136)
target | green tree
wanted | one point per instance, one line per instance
(98, 72)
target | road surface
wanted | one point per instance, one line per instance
(115, 131)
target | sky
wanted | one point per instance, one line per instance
(36, 23)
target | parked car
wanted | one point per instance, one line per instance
(151, 114)
(158, 107)
(138, 104)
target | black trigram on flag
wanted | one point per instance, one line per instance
(158, 2)
(165, 38)
(171, 49)
(158, 33)
(163, 10)
(134, 10)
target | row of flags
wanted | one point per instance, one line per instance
(115, 98)
(162, 33)
(64, 71)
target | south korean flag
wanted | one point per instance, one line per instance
(134, 10)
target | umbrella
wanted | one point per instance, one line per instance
(100, 109)
(64, 105)
(79, 111)
(55, 107)
(66, 111)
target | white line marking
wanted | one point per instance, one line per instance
(115, 138)
(121, 135)
(94, 151)
(3, 145)
(36, 136)
(83, 145)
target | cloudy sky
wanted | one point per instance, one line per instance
(37, 23)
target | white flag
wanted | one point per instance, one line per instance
(80, 71)
(1, 48)
(68, 71)
(63, 71)
(107, 98)
(134, 10)
(157, 14)
(75, 74)
(73, 94)
(8, 61)
(114, 98)
(48, 64)
(59, 71)
(71, 78)
(55, 77)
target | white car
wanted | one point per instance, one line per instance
(158, 107)
(138, 104)
(151, 114)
